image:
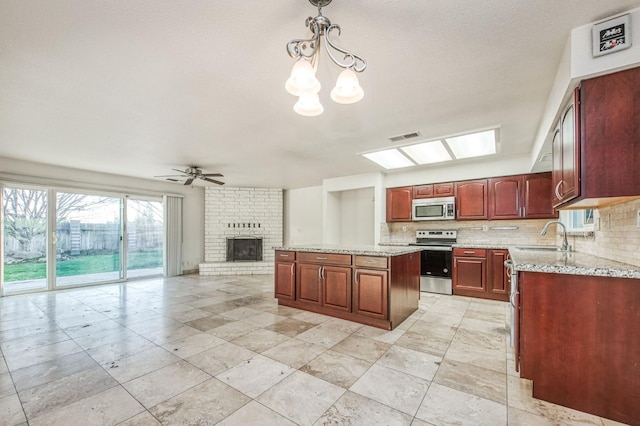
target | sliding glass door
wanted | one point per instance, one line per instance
(144, 237)
(24, 239)
(88, 239)
(54, 239)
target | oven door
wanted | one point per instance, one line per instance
(435, 270)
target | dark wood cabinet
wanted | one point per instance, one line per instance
(566, 153)
(370, 292)
(399, 204)
(505, 195)
(471, 199)
(285, 275)
(379, 291)
(469, 272)
(521, 197)
(480, 273)
(579, 342)
(596, 155)
(336, 288)
(444, 189)
(309, 284)
(323, 282)
(498, 284)
(537, 195)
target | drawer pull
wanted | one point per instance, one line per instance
(284, 255)
(321, 258)
(469, 252)
(369, 261)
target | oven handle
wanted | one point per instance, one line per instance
(437, 248)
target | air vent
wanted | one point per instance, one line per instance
(545, 157)
(404, 137)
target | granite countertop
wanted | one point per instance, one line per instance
(572, 263)
(373, 250)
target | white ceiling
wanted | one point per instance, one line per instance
(137, 87)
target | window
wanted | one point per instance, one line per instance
(578, 220)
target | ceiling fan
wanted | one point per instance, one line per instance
(192, 173)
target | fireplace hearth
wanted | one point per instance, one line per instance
(244, 249)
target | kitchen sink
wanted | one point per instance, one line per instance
(540, 248)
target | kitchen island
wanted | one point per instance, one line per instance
(576, 331)
(373, 285)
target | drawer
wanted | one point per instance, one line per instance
(469, 252)
(372, 262)
(285, 255)
(324, 258)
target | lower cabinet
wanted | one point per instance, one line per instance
(480, 273)
(309, 284)
(336, 288)
(379, 291)
(285, 275)
(370, 293)
(580, 343)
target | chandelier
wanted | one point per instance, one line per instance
(303, 82)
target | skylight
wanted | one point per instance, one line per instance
(389, 159)
(428, 152)
(471, 145)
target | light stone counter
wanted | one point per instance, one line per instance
(373, 250)
(573, 263)
(495, 246)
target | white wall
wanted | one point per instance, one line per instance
(577, 63)
(62, 177)
(357, 211)
(332, 204)
(303, 216)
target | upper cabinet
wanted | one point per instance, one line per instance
(472, 200)
(521, 197)
(433, 190)
(399, 204)
(599, 164)
(566, 153)
(507, 197)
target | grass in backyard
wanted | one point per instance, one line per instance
(79, 265)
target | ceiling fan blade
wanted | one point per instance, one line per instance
(173, 180)
(213, 181)
(165, 176)
(188, 181)
(179, 171)
(213, 174)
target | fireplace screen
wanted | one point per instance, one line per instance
(244, 249)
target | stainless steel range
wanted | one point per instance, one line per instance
(436, 259)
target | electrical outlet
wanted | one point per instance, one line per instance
(404, 228)
(638, 219)
(485, 228)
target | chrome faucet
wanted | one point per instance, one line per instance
(565, 243)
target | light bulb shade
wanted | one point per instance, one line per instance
(303, 79)
(347, 90)
(308, 105)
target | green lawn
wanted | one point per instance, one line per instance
(79, 265)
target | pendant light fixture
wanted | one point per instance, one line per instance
(306, 52)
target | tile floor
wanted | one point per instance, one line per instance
(204, 350)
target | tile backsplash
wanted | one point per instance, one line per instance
(523, 232)
(617, 238)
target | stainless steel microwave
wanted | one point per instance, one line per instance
(434, 208)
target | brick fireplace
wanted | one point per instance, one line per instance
(248, 216)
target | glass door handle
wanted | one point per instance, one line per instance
(54, 238)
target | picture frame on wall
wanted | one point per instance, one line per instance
(611, 35)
